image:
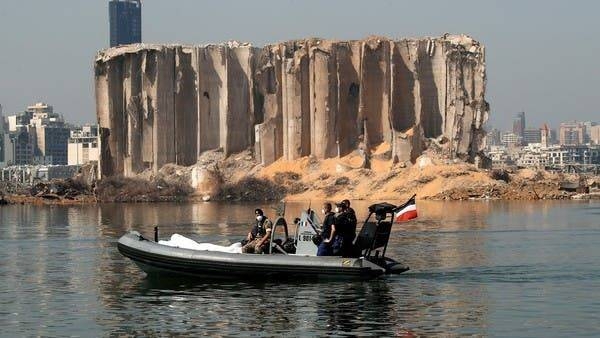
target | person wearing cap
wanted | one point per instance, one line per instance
(259, 235)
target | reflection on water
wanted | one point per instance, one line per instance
(476, 269)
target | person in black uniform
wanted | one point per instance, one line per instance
(324, 248)
(352, 218)
(343, 231)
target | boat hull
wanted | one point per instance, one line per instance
(162, 260)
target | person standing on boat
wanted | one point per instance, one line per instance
(351, 217)
(343, 231)
(349, 248)
(259, 235)
(324, 248)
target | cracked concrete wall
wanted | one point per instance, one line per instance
(239, 111)
(296, 100)
(186, 107)
(375, 89)
(323, 104)
(349, 126)
(159, 104)
(213, 97)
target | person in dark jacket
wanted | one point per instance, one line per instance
(343, 231)
(324, 248)
(352, 217)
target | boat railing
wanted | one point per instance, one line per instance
(280, 222)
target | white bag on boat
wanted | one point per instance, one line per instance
(179, 241)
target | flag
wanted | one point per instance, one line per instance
(407, 211)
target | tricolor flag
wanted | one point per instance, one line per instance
(406, 211)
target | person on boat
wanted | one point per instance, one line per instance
(351, 217)
(259, 235)
(343, 231)
(352, 214)
(324, 248)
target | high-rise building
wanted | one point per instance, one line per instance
(39, 136)
(125, 22)
(571, 133)
(519, 124)
(532, 136)
(545, 136)
(588, 125)
(494, 137)
(595, 134)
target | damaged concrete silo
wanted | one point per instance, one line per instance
(159, 104)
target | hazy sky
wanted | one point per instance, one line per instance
(542, 56)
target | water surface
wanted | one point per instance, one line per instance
(477, 268)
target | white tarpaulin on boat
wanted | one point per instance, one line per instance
(183, 242)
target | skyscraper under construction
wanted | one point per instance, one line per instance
(125, 22)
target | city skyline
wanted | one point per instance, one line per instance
(526, 70)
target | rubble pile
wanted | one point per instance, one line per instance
(69, 189)
(129, 189)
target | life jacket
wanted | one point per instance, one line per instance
(258, 230)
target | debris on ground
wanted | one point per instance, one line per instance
(240, 178)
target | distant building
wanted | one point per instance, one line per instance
(83, 145)
(493, 138)
(23, 146)
(532, 156)
(18, 120)
(52, 144)
(532, 136)
(579, 154)
(7, 152)
(125, 22)
(545, 136)
(38, 136)
(553, 136)
(571, 133)
(511, 139)
(31, 174)
(499, 156)
(1, 120)
(588, 126)
(519, 124)
(595, 134)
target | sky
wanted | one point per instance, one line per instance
(542, 56)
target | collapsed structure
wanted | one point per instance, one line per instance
(160, 104)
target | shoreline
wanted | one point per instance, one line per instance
(239, 178)
(11, 199)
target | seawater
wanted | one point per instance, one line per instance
(477, 268)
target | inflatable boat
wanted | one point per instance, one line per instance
(287, 257)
